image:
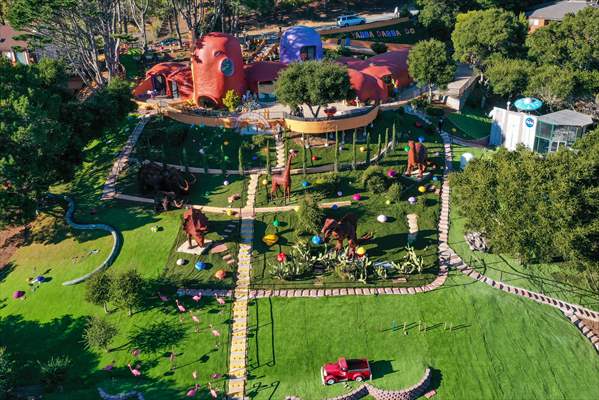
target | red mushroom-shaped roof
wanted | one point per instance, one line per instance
(166, 69)
(367, 87)
(392, 63)
(262, 71)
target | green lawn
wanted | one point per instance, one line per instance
(553, 279)
(186, 275)
(405, 126)
(50, 321)
(470, 124)
(387, 245)
(500, 346)
(164, 139)
(208, 190)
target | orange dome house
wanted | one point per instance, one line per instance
(216, 68)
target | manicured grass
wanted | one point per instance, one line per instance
(553, 279)
(405, 126)
(186, 275)
(208, 190)
(50, 321)
(159, 143)
(500, 346)
(387, 244)
(470, 124)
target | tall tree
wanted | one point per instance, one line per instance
(571, 43)
(478, 35)
(314, 83)
(139, 12)
(508, 77)
(80, 29)
(430, 65)
(554, 85)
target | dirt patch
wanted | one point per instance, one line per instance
(10, 240)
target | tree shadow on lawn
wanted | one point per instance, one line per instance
(156, 337)
(380, 368)
(29, 342)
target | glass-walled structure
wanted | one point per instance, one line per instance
(559, 129)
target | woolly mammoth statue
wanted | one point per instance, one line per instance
(195, 224)
(168, 184)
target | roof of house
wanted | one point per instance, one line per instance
(566, 117)
(557, 10)
(6, 38)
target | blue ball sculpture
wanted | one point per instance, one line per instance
(305, 184)
(200, 265)
(334, 206)
(317, 240)
(421, 139)
(435, 179)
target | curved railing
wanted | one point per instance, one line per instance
(116, 245)
(343, 122)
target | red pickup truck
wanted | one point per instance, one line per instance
(345, 370)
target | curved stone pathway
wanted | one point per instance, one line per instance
(115, 236)
(574, 312)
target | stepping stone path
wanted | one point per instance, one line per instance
(281, 158)
(238, 353)
(412, 227)
(109, 189)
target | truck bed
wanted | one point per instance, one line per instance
(357, 365)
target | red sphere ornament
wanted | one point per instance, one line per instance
(314, 158)
(281, 257)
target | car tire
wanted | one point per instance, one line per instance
(359, 378)
(330, 381)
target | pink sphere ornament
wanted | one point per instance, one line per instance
(357, 197)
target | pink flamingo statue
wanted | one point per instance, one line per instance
(212, 391)
(197, 297)
(162, 297)
(135, 352)
(214, 332)
(196, 320)
(135, 371)
(220, 300)
(192, 392)
(180, 306)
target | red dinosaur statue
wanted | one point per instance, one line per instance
(283, 180)
(417, 158)
(195, 224)
(421, 159)
(342, 229)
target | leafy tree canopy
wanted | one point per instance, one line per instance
(429, 64)
(571, 43)
(314, 83)
(536, 208)
(44, 130)
(482, 33)
(554, 85)
(508, 77)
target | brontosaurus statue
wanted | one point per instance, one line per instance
(342, 229)
(283, 180)
(195, 224)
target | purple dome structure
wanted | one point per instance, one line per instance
(300, 43)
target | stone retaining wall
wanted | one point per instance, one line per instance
(411, 393)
